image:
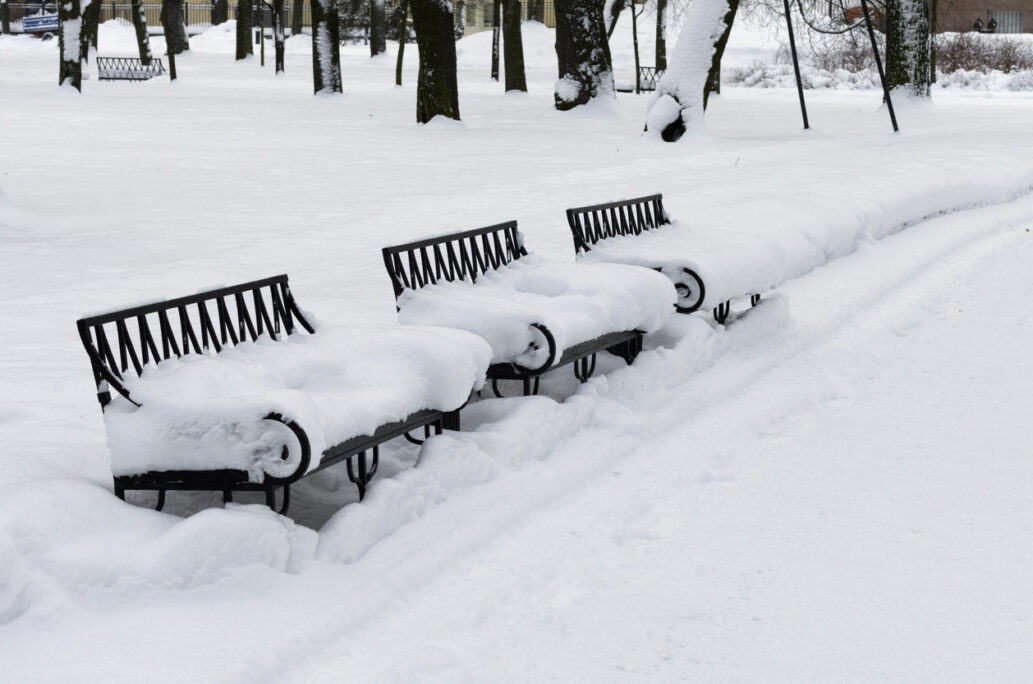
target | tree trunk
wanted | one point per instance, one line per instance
(220, 12)
(245, 43)
(90, 24)
(5, 17)
(403, 35)
(713, 84)
(513, 44)
(174, 26)
(908, 60)
(143, 41)
(460, 19)
(616, 7)
(496, 26)
(536, 11)
(677, 106)
(377, 28)
(437, 93)
(276, 10)
(326, 47)
(661, 35)
(70, 44)
(297, 16)
(634, 45)
(583, 53)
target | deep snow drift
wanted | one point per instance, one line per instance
(832, 487)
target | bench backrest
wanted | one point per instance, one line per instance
(597, 222)
(649, 78)
(127, 341)
(128, 68)
(458, 256)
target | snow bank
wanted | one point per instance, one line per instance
(731, 265)
(576, 302)
(206, 412)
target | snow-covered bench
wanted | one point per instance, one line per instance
(709, 268)
(224, 391)
(537, 314)
(128, 68)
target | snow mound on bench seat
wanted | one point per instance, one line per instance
(731, 264)
(576, 302)
(205, 412)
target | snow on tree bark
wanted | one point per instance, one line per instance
(583, 53)
(713, 84)
(276, 11)
(326, 47)
(69, 34)
(437, 92)
(460, 19)
(496, 36)
(908, 47)
(244, 26)
(513, 46)
(143, 41)
(91, 23)
(677, 104)
(377, 27)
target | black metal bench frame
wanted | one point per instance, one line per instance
(128, 68)
(469, 254)
(592, 223)
(649, 78)
(126, 342)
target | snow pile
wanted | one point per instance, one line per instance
(576, 302)
(760, 75)
(206, 412)
(730, 264)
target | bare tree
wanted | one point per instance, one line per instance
(437, 91)
(245, 46)
(5, 17)
(583, 53)
(279, 32)
(536, 11)
(677, 106)
(713, 84)
(377, 27)
(297, 16)
(908, 47)
(402, 19)
(70, 53)
(513, 45)
(173, 24)
(220, 12)
(326, 47)
(143, 41)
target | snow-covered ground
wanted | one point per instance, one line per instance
(832, 487)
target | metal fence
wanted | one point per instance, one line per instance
(195, 14)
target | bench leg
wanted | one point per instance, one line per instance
(270, 498)
(754, 300)
(530, 386)
(721, 312)
(627, 350)
(584, 367)
(120, 491)
(161, 500)
(363, 473)
(450, 421)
